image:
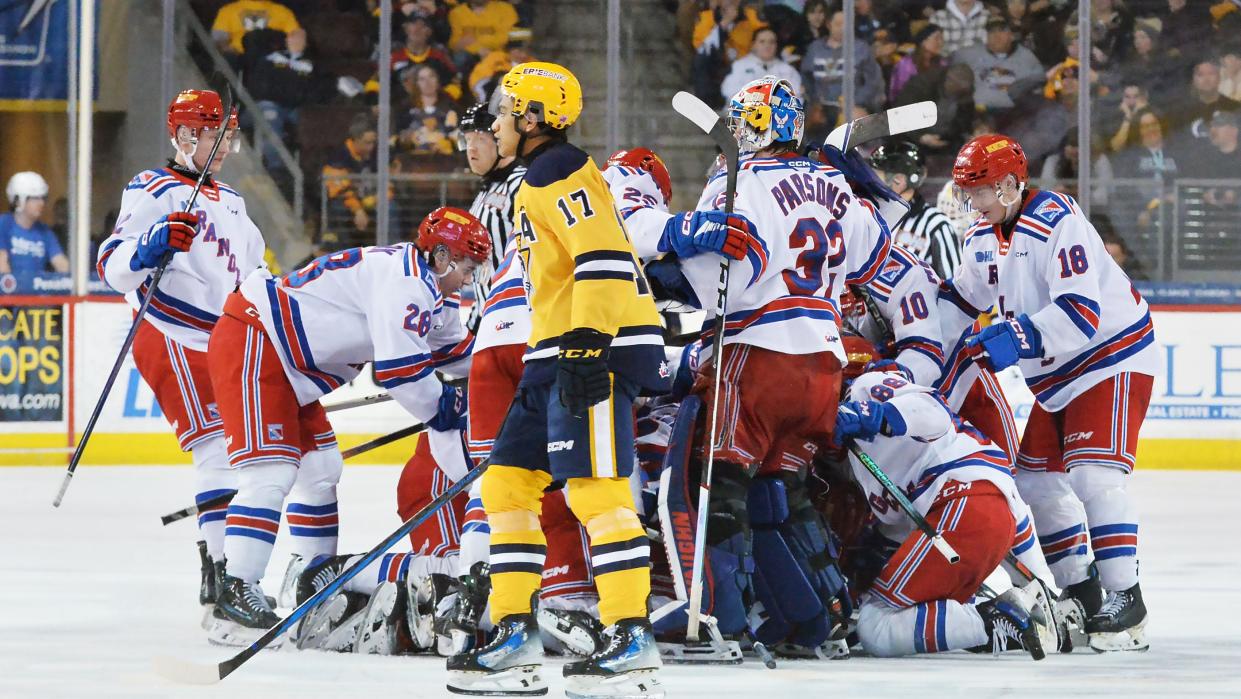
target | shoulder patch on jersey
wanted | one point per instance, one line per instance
(1049, 206)
(555, 164)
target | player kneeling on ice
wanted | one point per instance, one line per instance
(962, 484)
(285, 342)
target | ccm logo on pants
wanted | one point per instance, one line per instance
(562, 445)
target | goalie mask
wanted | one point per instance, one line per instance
(764, 112)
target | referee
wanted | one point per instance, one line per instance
(493, 205)
(924, 230)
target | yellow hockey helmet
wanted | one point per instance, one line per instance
(546, 90)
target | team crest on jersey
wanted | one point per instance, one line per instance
(275, 432)
(892, 271)
(664, 371)
(213, 411)
(1049, 211)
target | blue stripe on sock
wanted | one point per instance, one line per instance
(313, 531)
(252, 533)
(300, 509)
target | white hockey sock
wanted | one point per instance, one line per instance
(312, 510)
(1113, 523)
(212, 479)
(1027, 550)
(254, 517)
(475, 533)
(929, 627)
(1060, 522)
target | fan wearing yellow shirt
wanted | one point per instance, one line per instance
(595, 345)
(236, 18)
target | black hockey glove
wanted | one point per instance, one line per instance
(582, 369)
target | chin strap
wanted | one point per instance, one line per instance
(999, 194)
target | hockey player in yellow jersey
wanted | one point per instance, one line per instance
(595, 345)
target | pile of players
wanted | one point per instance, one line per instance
(841, 351)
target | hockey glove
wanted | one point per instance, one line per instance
(582, 369)
(695, 232)
(865, 419)
(172, 233)
(890, 365)
(1006, 342)
(451, 412)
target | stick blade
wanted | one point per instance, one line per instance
(186, 672)
(694, 109)
(912, 117)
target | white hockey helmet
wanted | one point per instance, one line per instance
(880, 386)
(23, 186)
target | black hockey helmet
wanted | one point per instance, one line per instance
(897, 155)
(477, 118)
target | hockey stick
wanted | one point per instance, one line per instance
(362, 448)
(142, 310)
(374, 399)
(937, 539)
(187, 672)
(706, 119)
(892, 122)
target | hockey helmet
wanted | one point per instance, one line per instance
(987, 159)
(198, 110)
(897, 155)
(546, 90)
(645, 159)
(477, 118)
(766, 111)
(456, 229)
(23, 186)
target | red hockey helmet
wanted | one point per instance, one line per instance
(859, 352)
(197, 109)
(987, 159)
(645, 159)
(457, 230)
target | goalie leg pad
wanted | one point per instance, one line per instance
(817, 550)
(788, 600)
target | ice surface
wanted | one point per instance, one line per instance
(92, 592)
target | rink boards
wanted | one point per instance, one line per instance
(55, 354)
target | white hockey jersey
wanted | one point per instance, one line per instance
(380, 304)
(904, 292)
(1094, 324)
(192, 291)
(641, 206)
(938, 446)
(506, 311)
(812, 237)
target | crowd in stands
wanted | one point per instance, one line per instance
(1163, 77)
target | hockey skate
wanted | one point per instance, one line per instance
(511, 665)
(207, 587)
(380, 631)
(333, 625)
(317, 575)
(461, 624)
(1120, 624)
(426, 595)
(578, 631)
(1055, 632)
(627, 667)
(242, 613)
(287, 596)
(1088, 592)
(1012, 620)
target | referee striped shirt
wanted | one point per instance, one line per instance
(493, 206)
(926, 232)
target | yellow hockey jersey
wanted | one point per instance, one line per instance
(580, 267)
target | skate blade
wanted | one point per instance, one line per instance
(208, 619)
(376, 635)
(701, 654)
(520, 681)
(575, 639)
(635, 684)
(287, 597)
(1071, 624)
(1131, 639)
(233, 635)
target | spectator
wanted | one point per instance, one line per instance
(1202, 100)
(1187, 27)
(886, 51)
(997, 64)
(60, 221)
(435, 12)
(27, 246)
(1148, 63)
(964, 24)
(1155, 161)
(722, 34)
(1116, 248)
(425, 128)
(816, 21)
(351, 200)
(822, 73)
(418, 49)
(1133, 99)
(239, 17)
(479, 27)
(494, 65)
(952, 91)
(1044, 123)
(760, 61)
(1060, 171)
(1039, 25)
(928, 53)
(865, 21)
(792, 34)
(281, 82)
(1220, 160)
(1111, 29)
(1230, 71)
